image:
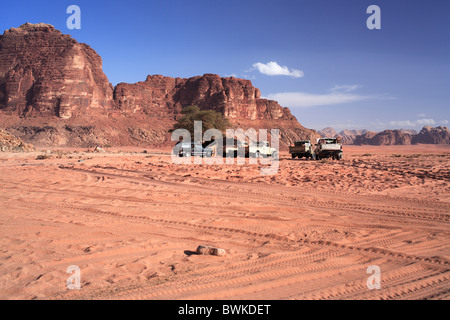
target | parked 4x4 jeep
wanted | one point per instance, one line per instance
(261, 148)
(328, 148)
(187, 149)
(302, 149)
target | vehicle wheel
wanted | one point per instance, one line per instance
(317, 157)
(313, 156)
(293, 156)
(340, 156)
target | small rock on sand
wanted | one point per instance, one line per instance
(206, 250)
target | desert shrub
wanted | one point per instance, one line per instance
(412, 156)
(210, 120)
(43, 157)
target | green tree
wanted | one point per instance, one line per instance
(210, 120)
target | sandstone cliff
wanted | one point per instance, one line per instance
(349, 136)
(391, 137)
(430, 135)
(327, 132)
(53, 92)
(45, 73)
(365, 138)
(9, 142)
(237, 99)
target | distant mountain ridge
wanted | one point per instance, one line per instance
(428, 135)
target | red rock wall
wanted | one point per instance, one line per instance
(166, 96)
(46, 73)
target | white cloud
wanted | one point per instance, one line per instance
(443, 122)
(304, 100)
(244, 76)
(426, 122)
(337, 95)
(403, 123)
(240, 76)
(274, 69)
(421, 115)
(378, 124)
(416, 123)
(345, 88)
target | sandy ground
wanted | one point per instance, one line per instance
(131, 222)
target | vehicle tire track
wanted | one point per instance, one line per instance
(442, 217)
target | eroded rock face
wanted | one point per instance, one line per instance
(153, 97)
(46, 73)
(239, 101)
(364, 138)
(47, 77)
(384, 138)
(9, 142)
(327, 132)
(391, 137)
(166, 96)
(430, 135)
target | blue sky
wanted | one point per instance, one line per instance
(316, 57)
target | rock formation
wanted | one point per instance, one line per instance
(430, 135)
(365, 138)
(165, 97)
(349, 136)
(409, 131)
(45, 73)
(53, 92)
(9, 142)
(391, 137)
(237, 99)
(327, 132)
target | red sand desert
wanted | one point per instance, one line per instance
(131, 222)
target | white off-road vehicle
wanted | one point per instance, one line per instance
(261, 149)
(328, 148)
